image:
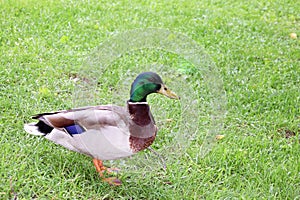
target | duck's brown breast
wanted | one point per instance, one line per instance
(138, 144)
(142, 127)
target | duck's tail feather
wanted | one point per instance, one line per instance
(33, 129)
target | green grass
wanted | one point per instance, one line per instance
(43, 44)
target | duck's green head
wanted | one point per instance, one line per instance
(147, 83)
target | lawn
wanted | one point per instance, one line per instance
(49, 48)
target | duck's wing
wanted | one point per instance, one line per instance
(100, 131)
(86, 118)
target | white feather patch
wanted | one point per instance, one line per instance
(32, 129)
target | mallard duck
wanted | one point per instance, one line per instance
(106, 132)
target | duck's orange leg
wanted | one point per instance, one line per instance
(101, 169)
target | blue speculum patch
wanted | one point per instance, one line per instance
(74, 129)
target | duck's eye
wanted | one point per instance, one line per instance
(166, 88)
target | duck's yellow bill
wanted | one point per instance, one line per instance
(167, 92)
